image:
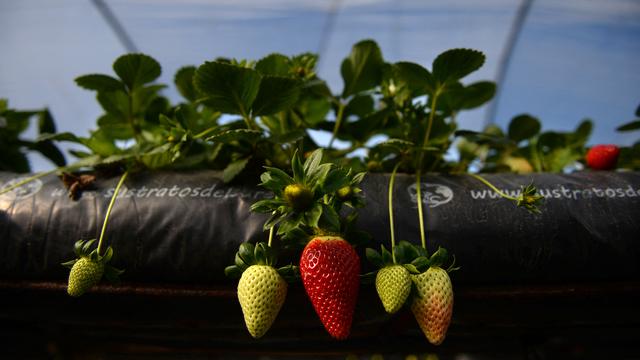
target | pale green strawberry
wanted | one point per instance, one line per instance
(85, 273)
(261, 292)
(433, 304)
(393, 284)
(89, 267)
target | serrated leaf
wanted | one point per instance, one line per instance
(374, 258)
(276, 94)
(184, 83)
(523, 127)
(50, 151)
(233, 169)
(418, 79)
(336, 178)
(241, 263)
(454, 64)
(275, 180)
(362, 69)
(273, 64)
(228, 88)
(99, 82)
(136, 70)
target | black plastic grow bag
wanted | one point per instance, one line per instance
(185, 227)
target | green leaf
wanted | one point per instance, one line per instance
(336, 179)
(634, 125)
(360, 106)
(273, 64)
(233, 169)
(418, 79)
(313, 161)
(439, 257)
(115, 103)
(583, 132)
(362, 70)
(266, 205)
(297, 168)
(411, 268)
(523, 127)
(184, 82)
(330, 219)
(312, 216)
(136, 70)
(421, 263)
(246, 253)
(387, 258)
(50, 151)
(454, 64)
(99, 82)
(233, 272)
(46, 124)
(251, 136)
(374, 258)
(275, 94)
(229, 89)
(275, 179)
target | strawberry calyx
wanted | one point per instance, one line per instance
(259, 254)
(82, 249)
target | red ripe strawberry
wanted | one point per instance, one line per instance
(603, 157)
(330, 270)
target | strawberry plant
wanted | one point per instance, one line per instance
(306, 208)
(240, 116)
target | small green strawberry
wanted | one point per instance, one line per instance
(393, 284)
(393, 280)
(262, 289)
(87, 270)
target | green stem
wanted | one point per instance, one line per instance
(336, 127)
(391, 225)
(486, 182)
(111, 203)
(271, 234)
(28, 180)
(423, 237)
(205, 132)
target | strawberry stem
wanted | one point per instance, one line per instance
(336, 126)
(27, 180)
(423, 236)
(270, 235)
(111, 203)
(391, 225)
(486, 182)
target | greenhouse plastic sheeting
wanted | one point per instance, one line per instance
(186, 227)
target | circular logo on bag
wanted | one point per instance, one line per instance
(23, 191)
(433, 195)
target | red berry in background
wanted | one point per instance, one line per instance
(603, 157)
(330, 271)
